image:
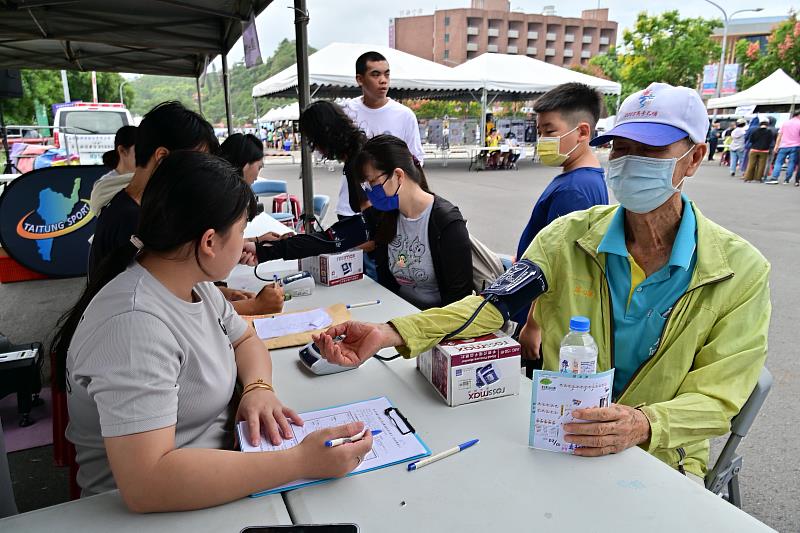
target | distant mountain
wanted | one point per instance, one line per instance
(152, 90)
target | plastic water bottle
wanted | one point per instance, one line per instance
(578, 354)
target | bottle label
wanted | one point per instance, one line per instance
(577, 365)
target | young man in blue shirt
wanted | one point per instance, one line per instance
(565, 120)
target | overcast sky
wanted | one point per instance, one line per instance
(367, 21)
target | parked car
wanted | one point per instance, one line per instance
(88, 129)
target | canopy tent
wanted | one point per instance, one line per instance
(521, 77)
(164, 37)
(499, 73)
(287, 112)
(332, 74)
(776, 89)
(507, 77)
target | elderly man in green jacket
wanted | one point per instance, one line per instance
(679, 306)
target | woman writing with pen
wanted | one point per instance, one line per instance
(151, 354)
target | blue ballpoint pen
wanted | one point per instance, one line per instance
(447, 453)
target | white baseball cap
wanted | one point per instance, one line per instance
(658, 116)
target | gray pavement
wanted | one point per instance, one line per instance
(497, 205)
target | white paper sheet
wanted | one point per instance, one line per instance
(280, 325)
(264, 223)
(390, 447)
(555, 396)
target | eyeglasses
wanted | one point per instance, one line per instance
(367, 186)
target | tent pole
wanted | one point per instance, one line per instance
(258, 118)
(199, 96)
(483, 116)
(304, 98)
(226, 89)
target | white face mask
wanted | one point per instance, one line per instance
(641, 184)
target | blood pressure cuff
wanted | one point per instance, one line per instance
(343, 235)
(516, 288)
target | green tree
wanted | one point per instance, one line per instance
(665, 48)
(152, 90)
(782, 51)
(668, 48)
(44, 86)
(441, 108)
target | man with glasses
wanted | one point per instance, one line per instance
(678, 305)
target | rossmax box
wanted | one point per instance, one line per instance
(335, 269)
(471, 370)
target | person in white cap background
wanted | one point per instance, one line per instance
(679, 306)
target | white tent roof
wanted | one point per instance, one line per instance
(517, 73)
(334, 66)
(287, 112)
(776, 89)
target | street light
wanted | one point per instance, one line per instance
(121, 85)
(726, 19)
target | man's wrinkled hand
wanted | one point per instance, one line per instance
(607, 429)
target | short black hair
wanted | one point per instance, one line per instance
(361, 62)
(575, 102)
(173, 126)
(241, 149)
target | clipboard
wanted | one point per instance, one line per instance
(383, 415)
(339, 314)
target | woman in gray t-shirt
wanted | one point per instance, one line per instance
(423, 250)
(151, 353)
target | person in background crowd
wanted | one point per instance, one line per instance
(770, 159)
(760, 141)
(788, 144)
(151, 353)
(713, 140)
(727, 140)
(513, 154)
(493, 141)
(679, 306)
(736, 147)
(748, 143)
(423, 251)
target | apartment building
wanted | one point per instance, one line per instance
(453, 36)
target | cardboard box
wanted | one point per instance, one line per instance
(471, 370)
(335, 269)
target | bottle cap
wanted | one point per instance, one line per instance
(579, 323)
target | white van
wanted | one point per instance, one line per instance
(88, 129)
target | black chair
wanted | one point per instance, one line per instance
(725, 474)
(21, 376)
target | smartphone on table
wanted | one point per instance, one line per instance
(304, 528)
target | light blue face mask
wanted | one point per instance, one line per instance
(641, 184)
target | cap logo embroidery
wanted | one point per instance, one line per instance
(646, 97)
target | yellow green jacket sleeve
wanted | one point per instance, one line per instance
(422, 331)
